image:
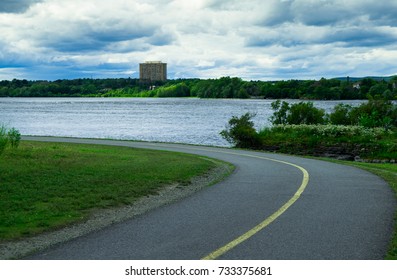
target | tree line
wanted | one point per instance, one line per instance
(225, 87)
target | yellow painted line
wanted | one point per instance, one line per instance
(222, 250)
(229, 246)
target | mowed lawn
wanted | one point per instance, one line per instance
(48, 185)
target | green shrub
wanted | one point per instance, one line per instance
(299, 113)
(14, 137)
(8, 137)
(369, 143)
(375, 113)
(341, 115)
(281, 110)
(305, 113)
(241, 133)
(332, 131)
(3, 139)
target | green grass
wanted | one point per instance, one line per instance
(389, 173)
(44, 186)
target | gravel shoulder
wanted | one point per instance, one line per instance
(107, 217)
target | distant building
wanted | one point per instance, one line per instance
(357, 85)
(152, 71)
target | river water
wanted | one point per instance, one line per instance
(179, 120)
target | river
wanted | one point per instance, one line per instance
(179, 120)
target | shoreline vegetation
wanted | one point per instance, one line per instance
(224, 87)
(365, 133)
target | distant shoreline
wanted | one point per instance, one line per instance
(225, 87)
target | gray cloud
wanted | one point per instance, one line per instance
(359, 37)
(80, 38)
(321, 13)
(16, 6)
(202, 38)
(161, 38)
(327, 12)
(223, 5)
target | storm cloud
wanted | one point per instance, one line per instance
(254, 39)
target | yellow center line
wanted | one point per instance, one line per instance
(229, 246)
(222, 250)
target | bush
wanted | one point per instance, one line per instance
(14, 137)
(331, 141)
(333, 131)
(375, 113)
(241, 133)
(280, 112)
(341, 115)
(299, 113)
(3, 139)
(10, 137)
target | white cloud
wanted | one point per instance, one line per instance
(200, 38)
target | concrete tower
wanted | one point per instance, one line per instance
(152, 71)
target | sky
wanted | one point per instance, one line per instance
(251, 39)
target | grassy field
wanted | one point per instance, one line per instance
(389, 173)
(49, 185)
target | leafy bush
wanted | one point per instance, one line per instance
(333, 131)
(280, 112)
(299, 113)
(331, 140)
(10, 137)
(3, 139)
(341, 115)
(14, 137)
(241, 132)
(374, 113)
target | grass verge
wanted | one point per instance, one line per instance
(389, 173)
(45, 186)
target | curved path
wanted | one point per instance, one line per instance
(271, 207)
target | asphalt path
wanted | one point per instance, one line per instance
(272, 207)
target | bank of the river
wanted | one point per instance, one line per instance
(352, 143)
(47, 186)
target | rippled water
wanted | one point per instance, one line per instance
(190, 120)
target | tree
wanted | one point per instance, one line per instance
(341, 115)
(375, 113)
(241, 132)
(377, 90)
(280, 114)
(305, 113)
(299, 113)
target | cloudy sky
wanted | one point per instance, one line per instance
(251, 39)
